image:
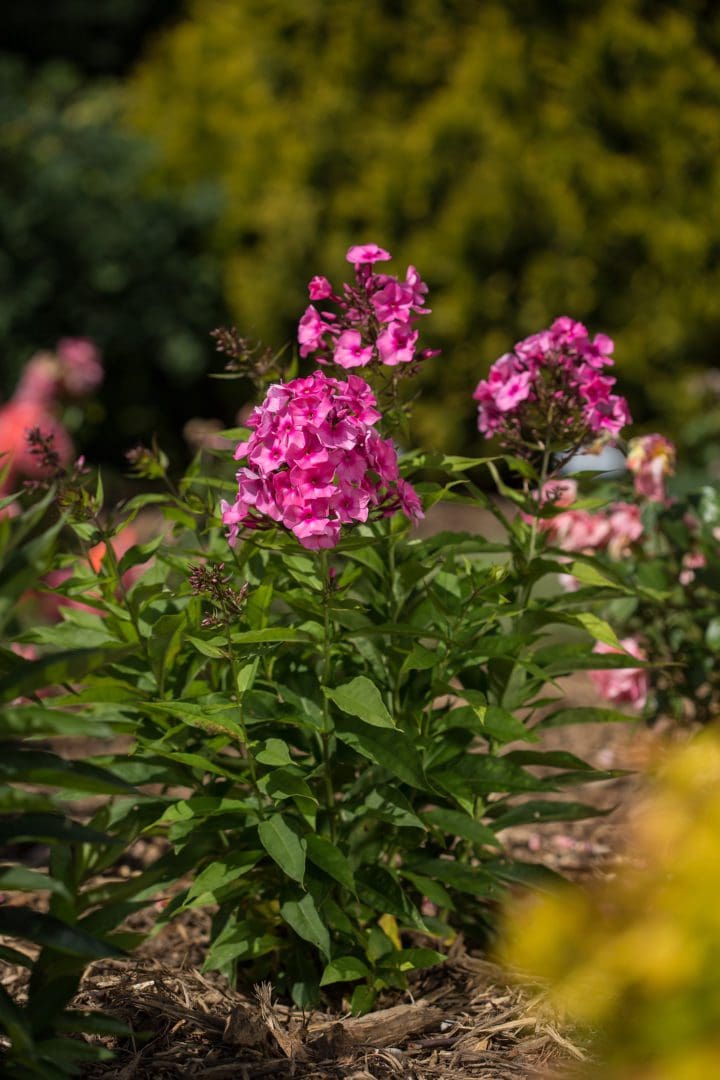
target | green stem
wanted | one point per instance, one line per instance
(536, 518)
(241, 718)
(326, 734)
(115, 564)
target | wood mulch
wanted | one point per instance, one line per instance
(464, 1020)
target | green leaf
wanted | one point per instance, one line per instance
(419, 659)
(48, 828)
(222, 871)
(273, 752)
(500, 724)
(42, 767)
(324, 854)
(284, 845)
(48, 931)
(433, 890)
(536, 811)
(380, 890)
(389, 804)
(597, 627)
(360, 697)
(303, 917)
(344, 969)
(14, 956)
(413, 959)
(288, 784)
(91, 1023)
(585, 714)
(213, 718)
(277, 634)
(165, 643)
(14, 1022)
(62, 667)
(391, 749)
(456, 823)
(475, 880)
(31, 719)
(140, 553)
(712, 634)
(362, 1000)
(555, 759)
(21, 879)
(483, 774)
(239, 941)
(589, 574)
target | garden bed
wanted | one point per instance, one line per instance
(468, 1018)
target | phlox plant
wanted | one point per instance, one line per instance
(327, 714)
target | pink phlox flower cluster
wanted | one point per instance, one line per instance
(73, 370)
(651, 459)
(579, 531)
(622, 686)
(315, 463)
(613, 530)
(553, 379)
(374, 318)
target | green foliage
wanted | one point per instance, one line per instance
(38, 791)
(534, 158)
(663, 591)
(340, 729)
(86, 250)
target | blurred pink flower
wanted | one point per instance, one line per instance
(692, 561)
(651, 459)
(81, 366)
(622, 686)
(17, 417)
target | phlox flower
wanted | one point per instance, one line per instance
(366, 254)
(350, 352)
(315, 463)
(319, 288)
(551, 392)
(373, 323)
(622, 686)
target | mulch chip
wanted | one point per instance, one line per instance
(464, 1020)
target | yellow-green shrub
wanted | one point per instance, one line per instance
(536, 158)
(637, 957)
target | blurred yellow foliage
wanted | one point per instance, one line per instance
(637, 958)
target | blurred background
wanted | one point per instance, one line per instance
(169, 166)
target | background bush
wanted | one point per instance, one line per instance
(535, 158)
(85, 249)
